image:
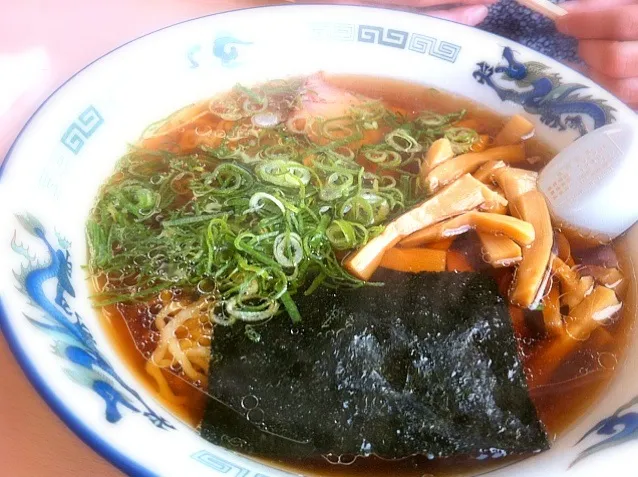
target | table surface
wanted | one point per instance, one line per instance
(38, 40)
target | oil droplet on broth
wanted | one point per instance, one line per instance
(344, 459)
(250, 402)
(181, 332)
(347, 459)
(255, 415)
(607, 360)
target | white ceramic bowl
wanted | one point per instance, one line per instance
(70, 145)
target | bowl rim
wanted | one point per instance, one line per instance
(64, 411)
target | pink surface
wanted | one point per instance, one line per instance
(42, 43)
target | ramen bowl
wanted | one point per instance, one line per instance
(67, 149)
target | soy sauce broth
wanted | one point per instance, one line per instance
(574, 387)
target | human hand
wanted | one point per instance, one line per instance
(607, 31)
(468, 12)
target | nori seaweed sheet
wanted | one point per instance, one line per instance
(426, 364)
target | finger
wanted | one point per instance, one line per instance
(472, 15)
(625, 89)
(616, 23)
(617, 59)
(592, 5)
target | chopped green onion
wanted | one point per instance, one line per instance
(288, 249)
(253, 215)
(291, 308)
(283, 173)
(462, 139)
(401, 141)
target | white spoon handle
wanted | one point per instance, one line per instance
(593, 183)
(544, 7)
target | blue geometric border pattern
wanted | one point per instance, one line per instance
(377, 34)
(433, 47)
(333, 31)
(418, 43)
(82, 129)
(223, 466)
